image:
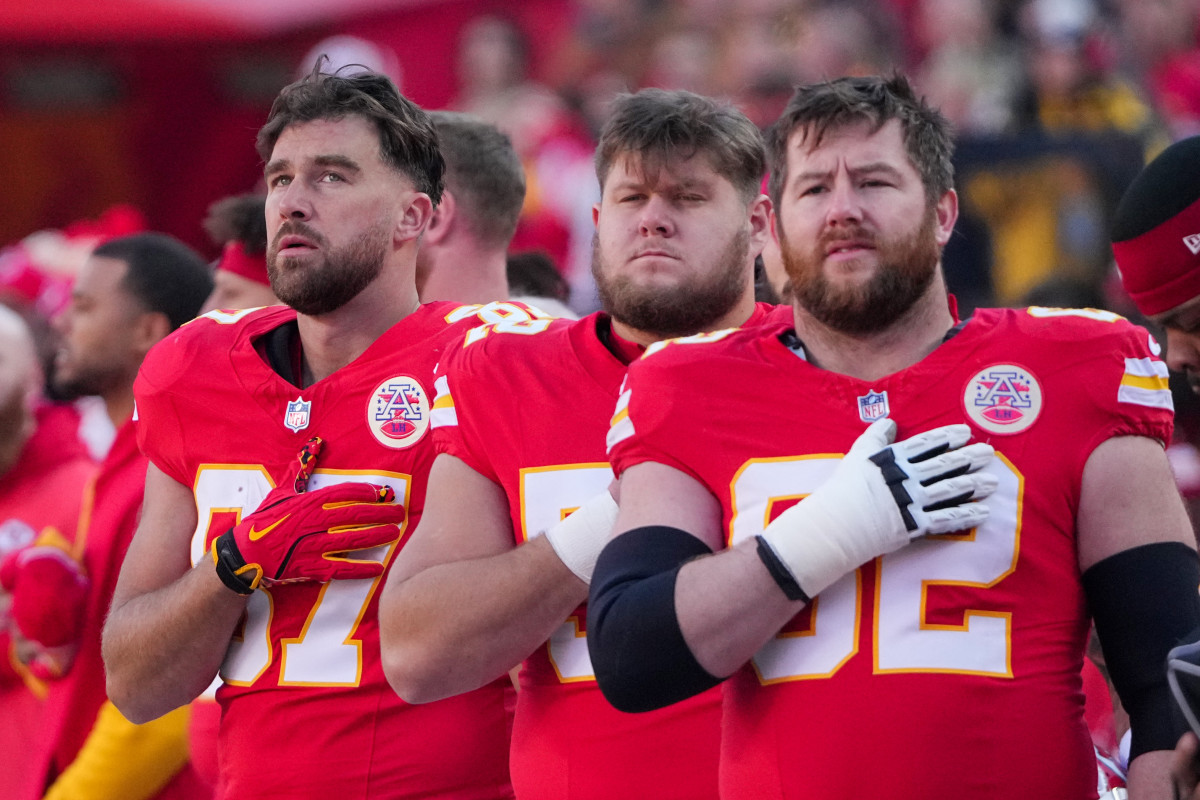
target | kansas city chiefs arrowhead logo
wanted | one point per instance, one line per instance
(1193, 243)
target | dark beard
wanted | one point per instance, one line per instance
(690, 308)
(14, 423)
(88, 381)
(906, 269)
(340, 276)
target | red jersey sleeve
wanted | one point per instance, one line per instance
(160, 425)
(455, 425)
(672, 375)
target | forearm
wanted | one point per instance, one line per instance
(1149, 776)
(163, 648)
(728, 607)
(454, 627)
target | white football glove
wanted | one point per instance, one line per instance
(578, 539)
(878, 499)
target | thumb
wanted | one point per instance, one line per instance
(879, 435)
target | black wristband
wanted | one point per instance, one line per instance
(228, 561)
(779, 571)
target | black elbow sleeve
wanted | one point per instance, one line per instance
(638, 652)
(1144, 601)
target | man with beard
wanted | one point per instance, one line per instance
(130, 294)
(496, 576)
(958, 654)
(260, 567)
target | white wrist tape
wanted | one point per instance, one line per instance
(578, 539)
(878, 499)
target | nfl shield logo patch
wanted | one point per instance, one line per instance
(873, 406)
(296, 416)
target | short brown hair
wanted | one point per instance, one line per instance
(484, 172)
(407, 141)
(876, 100)
(658, 126)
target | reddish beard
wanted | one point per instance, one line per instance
(340, 275)
(906, 268)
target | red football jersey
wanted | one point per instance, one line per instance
(306, 710)
(530, 412)
(950, 668)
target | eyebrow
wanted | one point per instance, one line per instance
(672, 184)
(865, 169)
(332, 160)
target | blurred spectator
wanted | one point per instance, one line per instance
(1072, 87)
(969, 71)
(551, 141)
(43, 470)
(851, 37)
(462, 254)
(1161, 36)
(129, 295)
(238, 226)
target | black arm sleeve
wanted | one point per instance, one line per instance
(638, 653)
(1144, 601)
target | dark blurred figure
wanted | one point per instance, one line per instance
(238, 226)
(533, 279)
(43, 470)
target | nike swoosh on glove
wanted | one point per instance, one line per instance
(298, 535)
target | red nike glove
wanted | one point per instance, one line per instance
(297, 535)
(48, 590)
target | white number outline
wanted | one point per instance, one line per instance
(500, 317)
(1005, 509)
(567, 646)
(260, 609)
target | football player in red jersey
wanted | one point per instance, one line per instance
(229, 571)
(496, 575)
(865, 657)
(1156, 241)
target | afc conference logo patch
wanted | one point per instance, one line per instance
(295, 418)
(1003, 398)
(398, 412)
(873, 406)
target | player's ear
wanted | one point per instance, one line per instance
(443, 217)
(149, 328)
(414, 217)
(947, 215)
(760, 221)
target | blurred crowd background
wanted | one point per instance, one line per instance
(138, 114)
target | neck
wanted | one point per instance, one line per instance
(118, 403)
(466, 275)
(331, 341)
(872, 356)
(734, 318)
